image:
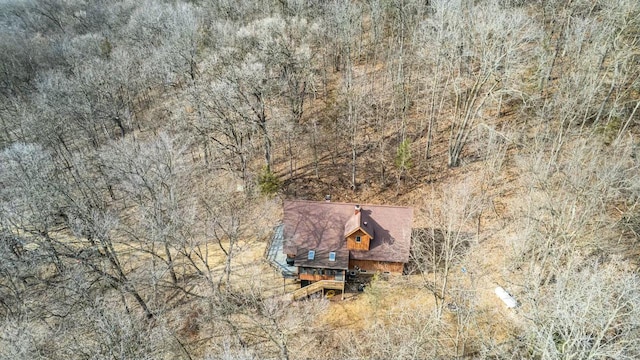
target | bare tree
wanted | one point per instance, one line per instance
(588, 313)
(273, 326)
(386, 334)
(437, 250)
(227, 213)
(472, 57)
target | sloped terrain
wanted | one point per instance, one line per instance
(146, 148)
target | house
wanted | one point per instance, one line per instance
(328, 241)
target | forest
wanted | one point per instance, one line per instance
(146, 148)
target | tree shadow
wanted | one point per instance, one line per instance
(432, 249)
(381, 236)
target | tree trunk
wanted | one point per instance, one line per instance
(172, 271)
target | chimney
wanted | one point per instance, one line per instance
(357, 210)
(327, 198)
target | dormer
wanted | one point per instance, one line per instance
(358, 232)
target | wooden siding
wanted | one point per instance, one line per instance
(373, 266)
(314, 274)
(362, 245)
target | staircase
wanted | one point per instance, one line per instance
(318, 286)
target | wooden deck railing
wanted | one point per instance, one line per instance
(318, 286)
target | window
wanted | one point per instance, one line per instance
(358, 239)
(312, 255)
(332, 256)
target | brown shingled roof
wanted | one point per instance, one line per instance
(321, 226)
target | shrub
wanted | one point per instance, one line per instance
(403, 156)
(268, 182)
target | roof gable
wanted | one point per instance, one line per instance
(356, 222)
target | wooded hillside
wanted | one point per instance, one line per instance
(146, 147)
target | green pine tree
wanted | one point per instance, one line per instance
(403, 156)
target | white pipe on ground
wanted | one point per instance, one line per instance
(506, 298)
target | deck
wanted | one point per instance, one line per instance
(317, 287)
(277, 258)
